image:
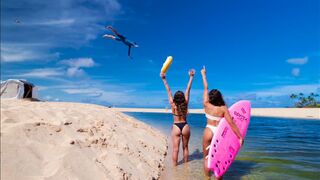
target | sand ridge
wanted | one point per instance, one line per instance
(55, 140)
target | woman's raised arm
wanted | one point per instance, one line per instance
(205, 86)
(191, 75)
(166, 85)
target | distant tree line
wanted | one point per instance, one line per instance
(300, 100)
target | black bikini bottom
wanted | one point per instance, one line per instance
(181, 125)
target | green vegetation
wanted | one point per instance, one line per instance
(302, 101)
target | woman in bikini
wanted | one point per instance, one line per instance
(179, 105)
(215, 109)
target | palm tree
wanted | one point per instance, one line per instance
(293, 96)
(310, 101)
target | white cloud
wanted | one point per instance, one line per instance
(75, 72)
(60, 24)
(79, 62)
(273, 97)
(43, 73)
(18, 52)
(296, 72)
(287, 90)
(74, 69)
(81, 17)
(76, 64)
(100, 95)
(92, 92)
(104, 92)
(298, 61)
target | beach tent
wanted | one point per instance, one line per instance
(17, 89)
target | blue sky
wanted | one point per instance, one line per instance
(257, 50)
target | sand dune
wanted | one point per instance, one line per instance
(47, 140)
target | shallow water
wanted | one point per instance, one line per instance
(274, 148)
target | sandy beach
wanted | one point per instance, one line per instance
(55, 140)
(299, 113)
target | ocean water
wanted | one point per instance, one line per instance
(274, 148)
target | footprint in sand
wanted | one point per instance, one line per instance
(9, 120)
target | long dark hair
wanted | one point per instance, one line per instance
(181, 103)
(215, 98)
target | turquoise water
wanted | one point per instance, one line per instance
(274, 148)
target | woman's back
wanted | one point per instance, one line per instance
(214, 114)
(178, 116)
(212, 110)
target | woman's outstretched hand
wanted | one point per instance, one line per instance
(162, 75)
(192, 72)
(203, 71)
(241, 141)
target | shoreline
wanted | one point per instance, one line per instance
(295, 113)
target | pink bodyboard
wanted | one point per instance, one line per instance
(225, 144)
